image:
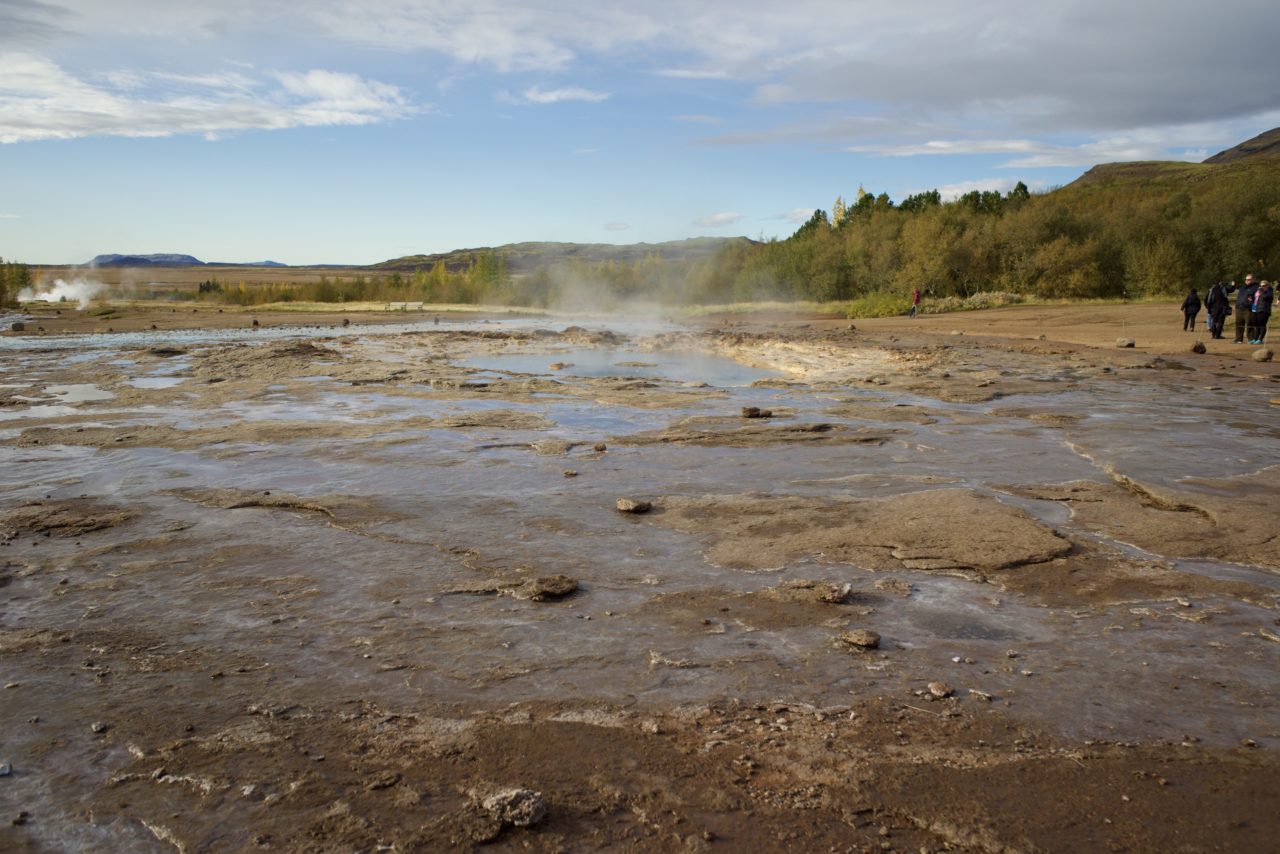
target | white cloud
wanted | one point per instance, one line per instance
(1011, 68)
(538, 95)
(800, 215)
(951, 192)
(718, 220)
(616, 226)
(40, 100)
(10, 216)
(1037, 154)
(695, 73)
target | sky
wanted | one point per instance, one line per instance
(353, 131)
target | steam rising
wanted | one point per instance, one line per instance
(78, 290)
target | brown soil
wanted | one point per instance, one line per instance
(307, 627)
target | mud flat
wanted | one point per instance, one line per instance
(769, 584)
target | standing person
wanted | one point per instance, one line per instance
(915, 302)
(1217, 305)
(1261, 312)
(1190, 308)
(1244, 302)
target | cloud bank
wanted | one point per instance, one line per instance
(39, 100)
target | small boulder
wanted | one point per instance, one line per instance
(940, 689)
(756, 412)
(1199, 347)
(545, 588)
(860, 639)
(18, 326)
(516, 807)
(1126, 343)
(633, 505)
(1263, 355)
(599, 447)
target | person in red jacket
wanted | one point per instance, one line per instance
(915, 302)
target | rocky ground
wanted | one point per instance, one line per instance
(959, 583)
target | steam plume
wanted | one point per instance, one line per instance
(79, 290)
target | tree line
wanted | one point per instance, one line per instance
(14, 277)
(1129, 231)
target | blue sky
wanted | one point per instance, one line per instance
(353, 132)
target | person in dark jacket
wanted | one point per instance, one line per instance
(1217, 305)
(1260, 312)
(1190, 308)
(1244, 306)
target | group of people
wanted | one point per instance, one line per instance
(1253, 301)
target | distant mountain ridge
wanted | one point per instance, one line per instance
(160, 260)
(172, 259)
(530, 256)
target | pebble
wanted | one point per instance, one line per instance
(98, 727)
(1125, 343)
(940, 689)
(6, 769)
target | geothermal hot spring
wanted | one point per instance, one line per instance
(199, 523)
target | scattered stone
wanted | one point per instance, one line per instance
(940, 689)
(1263, 355)
(6, 770)
(1126, 343)
(894, 585)
(255, 322)
(860, 639)
(632, 505)
(599, 447)
(98, 727)
(516, 807)
(981, 695)
(1268, 634)
(545, 588)
(570, 473)
(540, 589)
(657, 659)
(385, 780)
(804, 589)
(18, 326)
(1199, 347)
(756, 412)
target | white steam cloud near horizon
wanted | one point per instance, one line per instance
(79, 290)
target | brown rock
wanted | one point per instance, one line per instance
(516, 807)
(1199, 347)
(633, 505)
(940, 689)
(860, 639)
(1126, 343)
(545, 588)
(1263, 355)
